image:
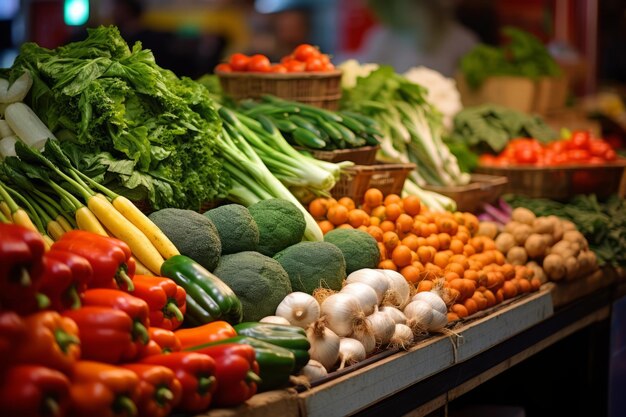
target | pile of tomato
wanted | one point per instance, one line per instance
(580, 148)
(304, 58)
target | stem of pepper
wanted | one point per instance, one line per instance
(73, 296)
(42, 300)
(121, 277)
(123, 404)
(172, 310)
(140, 332)
(163, 395)
(64, 339)
(252, 377)
(50, 407)
(204, 384)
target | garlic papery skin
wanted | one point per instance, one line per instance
(396, 315)
(351, 351)
(419, 314)
(299, 308)
(433, 299)
(438, 321)
(343, 313)
(372, 277)
(324, 344)
(399, 292)
(275, 320)
(314, 370)
(365, 335)
(402, 337)
(382, 327)
(366, 295)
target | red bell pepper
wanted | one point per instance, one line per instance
(21, 250)
(34, 391)
(50, 340)
(101, 390)
(167, 301)
(110, 258)
(106, 334)
(196, 373)
(236, 370)
(136, 308)
(150, 349)
(81, 272)
(207, 333)
(159, 390)
(56, 284)
(12, 332)
(166, 339)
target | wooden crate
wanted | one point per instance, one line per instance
(388, 178)
(471, 197)
(365, 155)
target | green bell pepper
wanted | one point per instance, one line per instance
(276, 364)
(208, 298)
(289, 337)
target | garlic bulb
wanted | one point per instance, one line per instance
(324, 344)
(365, 335)
(275, 320)
(402, 337)
(398, 293)
(300, 309)
(433, 299)
(351, 351)
(366, 295)
(343, 313)
(314, 370)
(382, 327)
(420, 314)
(396, 315)
(372, 277)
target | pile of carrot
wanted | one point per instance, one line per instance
(431, 250)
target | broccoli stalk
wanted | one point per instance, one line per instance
(252, 181)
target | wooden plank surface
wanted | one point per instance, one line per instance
(283, 403)
(566, 292)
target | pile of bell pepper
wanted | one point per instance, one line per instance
(579, 148)
(82, 335)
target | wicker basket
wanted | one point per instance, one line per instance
(561, 182)
(365, 155)
(321, 89)
(470, 197)
(388, 178)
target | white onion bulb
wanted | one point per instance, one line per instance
(275, 320)
(351, 351)
(398, 293)
(372, 277)
(382, 327)
(396, 315)
(402, 336)
(324, 344)
(435, 301)
(419, 313)
(343, 313)
(300, 309)
(366, 295)
(314, 370)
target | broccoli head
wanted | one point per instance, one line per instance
(280, 224)
(359, 248)
(312, 265)
(236, 226)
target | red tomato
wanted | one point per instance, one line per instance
(598, 147)
(329, 67)
(324, 58)
(560, 159)
(295, 66)
(305, 51)
(557, 147)
(610, 155)
(314, 64)
(487, 159)
(223, 68)
(280, 68)
(580, 140)
(287, 58)
(596, 160)
(239, 62)
(526, 155)
(578, 155)
(259, 63)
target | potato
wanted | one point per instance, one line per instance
(489, 229)
(535, 245)
(523, 215)
(549, 239)
(574, 236)
(562, 248)
(510, 226)
(543, 225)
(571, 268)
(554, 266)
(538, 270)
(567, 225)
(504, 241)
(557, 228)
(521, 233)
(517, 256)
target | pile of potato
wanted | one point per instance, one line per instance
(552, 247)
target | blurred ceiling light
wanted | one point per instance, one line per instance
(76, 12)
(275, 6)
(8, 9)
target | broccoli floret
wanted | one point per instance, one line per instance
(312, 265)
(260, 282)
(280, 224)
(192, 233)
(236, 226)
(359, 248)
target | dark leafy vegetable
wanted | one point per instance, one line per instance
(603, 224)
(132, 125)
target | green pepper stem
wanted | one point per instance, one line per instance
(252, 377)
(65, 340)
(73, 296)
(204, 384)
(51, 407)
(172, 310)
(122, 278)
(42, 300)
(140, 333)
(163, 395)
(123, 404)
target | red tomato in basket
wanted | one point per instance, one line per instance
(580, 140)
(578, 155)
(294, 65)
(526, 155)
(610, 155)
(487, 159)
(223, 67)
(315, 64)
(598, 147)
(279, 68)
(259, 63)
(239, 62)
(305, 51)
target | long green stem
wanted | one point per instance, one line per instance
(34, 215)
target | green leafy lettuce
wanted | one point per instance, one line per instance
(125, 121)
